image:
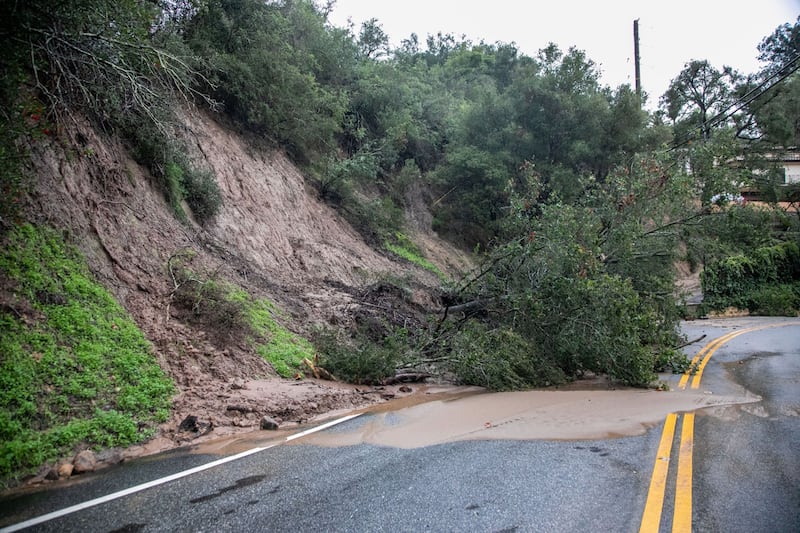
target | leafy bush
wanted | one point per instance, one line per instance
(672, 360)
(80, 374)
(761, 281)
(179, 178)
(500, 359)
(203, 195)
(212, 305)
(359, 359)
(776, 300)
(596, 325)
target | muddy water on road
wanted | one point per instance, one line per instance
(549, 414)
(438, 415)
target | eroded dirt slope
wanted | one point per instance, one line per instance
(273, 237)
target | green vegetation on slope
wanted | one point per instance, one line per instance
(229, 312)
(284, 350)
(764, 281)
(404, 247)
(74, 368)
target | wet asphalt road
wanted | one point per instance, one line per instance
(747, 457)
(746, 472)
(467, 486)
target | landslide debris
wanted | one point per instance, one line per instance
(274, 240)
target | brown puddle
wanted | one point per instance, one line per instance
(527, 415)
(448, 414)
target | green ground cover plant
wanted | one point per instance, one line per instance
(230, 312)
(404, 247)
(284, 350)
(75, 371)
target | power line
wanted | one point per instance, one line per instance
(762, 88)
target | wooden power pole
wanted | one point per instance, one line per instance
(636, 59)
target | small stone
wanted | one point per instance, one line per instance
(189, 424)
(111, 456)
(65, 470)
(405, 388)
(85, 461)
(268, 423)
(238, 384)
(51, 474)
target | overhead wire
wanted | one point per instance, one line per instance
(762, 88)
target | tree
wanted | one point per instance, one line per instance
(780, 50)
(589, 286)
(264, 63)
(373, 42)
(698, 94)
(776, 114)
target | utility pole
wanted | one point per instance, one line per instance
(636, 59)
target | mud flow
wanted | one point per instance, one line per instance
(549, 414)
(437, 415)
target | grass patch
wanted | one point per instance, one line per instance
(405, 248)
(229, 312)
(74, 367)
(285, 350)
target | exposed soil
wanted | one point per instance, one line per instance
(273, 238)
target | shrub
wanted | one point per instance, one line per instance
(777, 300)
(210, 304)
(761, 281)
(358, 359)
(671, 360)
(178, 177)
(202, 194)
(500, 359)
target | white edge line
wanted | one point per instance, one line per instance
(156, 482)
(322, 427)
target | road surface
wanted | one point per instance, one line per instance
(717, 453)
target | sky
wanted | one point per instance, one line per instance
(671, 33)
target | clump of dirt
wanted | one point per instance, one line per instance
(273, 238)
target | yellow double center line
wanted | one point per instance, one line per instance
(705, 354)
(682, 512)
(682, 515)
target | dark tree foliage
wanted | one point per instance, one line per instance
(697, 95)
(276, 69)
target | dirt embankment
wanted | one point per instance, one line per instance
(273, 238)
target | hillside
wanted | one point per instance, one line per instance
(197, 198)
(273, 238)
